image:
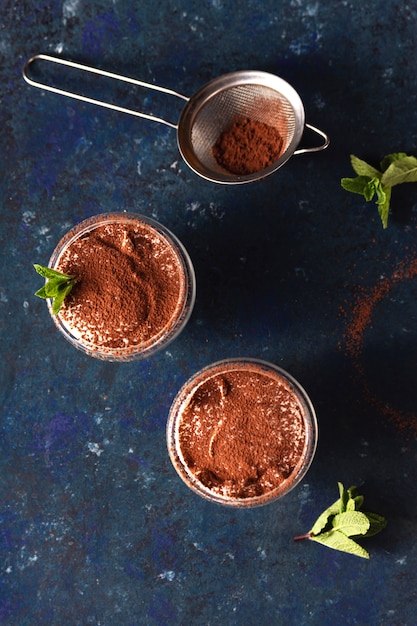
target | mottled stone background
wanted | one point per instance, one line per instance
(95, 526)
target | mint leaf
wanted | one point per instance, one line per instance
(366, 186)
(352, 492)
(362, 168)
(41, 293)
(357, 502)
(57, 286)
(376, 524)
(355, 185)
(52, 287)
(396, 168)
(48, 272)
(390, 158)
(344, 497)
(60, 297)
(324, 519)
(401, 171)
(351, 523)
(374, 187)
(339, 541)
(351, 505)
(342, 520)
(383, 208)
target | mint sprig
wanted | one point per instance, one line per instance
(343, 522)
(372, 183)
(56, 287)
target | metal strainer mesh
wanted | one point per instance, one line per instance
(256, 102)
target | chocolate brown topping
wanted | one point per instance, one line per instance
(130, 285)
(242, 433)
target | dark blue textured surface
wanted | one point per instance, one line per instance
(95, 526)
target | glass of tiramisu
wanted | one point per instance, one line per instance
(242, 432)
(134, 286)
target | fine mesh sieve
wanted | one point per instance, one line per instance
(254, 95)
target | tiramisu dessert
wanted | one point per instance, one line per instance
(242, 432)
(134, 286)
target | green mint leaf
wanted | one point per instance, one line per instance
(41, 293)
(353, 492)
(48, 272)
(57, 286)
(342, 520)
(355, 501)
(60, 297)
(344, 497)
(358, 500)
(337, 540)
(351, 505)
(383, 208)
(52, 287)
(364, 169)
(397, 168)
(372, 188)
(380, 192)
(351, 523)
(390, 158)
(376, 524)
(368, 188)
(355, 185)
(325, 518)
(401, 171)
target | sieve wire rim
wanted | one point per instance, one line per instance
(214, 89)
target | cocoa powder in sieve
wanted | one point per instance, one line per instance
(242, 432)
(130, 285)
(248, 146)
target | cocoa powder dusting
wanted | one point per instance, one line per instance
(248, 146)
(130, 285)
(360, 320)
(242, 433)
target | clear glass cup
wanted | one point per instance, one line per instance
(201, 410)
(156, 237)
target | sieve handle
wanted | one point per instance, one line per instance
(92, 70)
(323, 146)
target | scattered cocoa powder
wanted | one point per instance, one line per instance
(247, 146)
(360, 319)
(130, 285)
(242, 432)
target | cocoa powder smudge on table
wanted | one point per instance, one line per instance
(248, 146)
(129, 285)
(360, 320)
(242, 433)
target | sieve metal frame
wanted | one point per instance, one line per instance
(212, 90)
(191, 110)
